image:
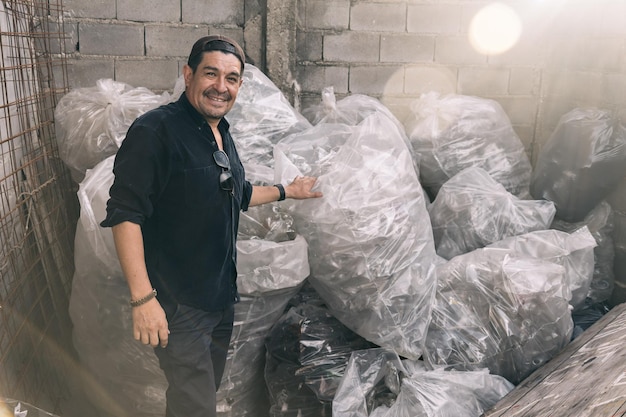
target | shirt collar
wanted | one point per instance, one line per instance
(196, 116)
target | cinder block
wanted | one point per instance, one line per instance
(324, 14)
(309, 46)
(99, 9)
(149, 10)
(86, 72)
(376, 80)
(528, 52)
(521, 110)
(156, 75)
(111, 39)
(575, 86)
(314, 79)
(603, 54)
(434, 18)
(456, 50)
(379, 17)
(338, 78)
(483, 81)
(580, 18)
(351, 47)
(424, 79)
(407, 48)
(524, 81)
(224, 12)
(172, 41)
(311, 78)
(63, 38)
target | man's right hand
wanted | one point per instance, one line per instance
(150, 324)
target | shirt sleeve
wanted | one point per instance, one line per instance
(139, 169)
(246, 196)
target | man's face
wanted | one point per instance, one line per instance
(213, 88)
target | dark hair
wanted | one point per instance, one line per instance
(214, 43)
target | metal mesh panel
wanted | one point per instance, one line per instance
(38, 209)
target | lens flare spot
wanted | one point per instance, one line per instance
(495, 29)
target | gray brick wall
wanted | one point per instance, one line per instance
(151, 74)
(223, 12)
(378, 17)
(434, 18)
(149, 10)
(104, 38)
(392, 49)
(407, 48)
(565, 56)
(172, 40)
(325, 14)
(351, 47)
(146, 42)
(99, 9)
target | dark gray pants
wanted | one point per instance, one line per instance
(194, 360)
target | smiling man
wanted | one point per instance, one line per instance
(174, 210)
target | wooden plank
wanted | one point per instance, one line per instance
(588, 378)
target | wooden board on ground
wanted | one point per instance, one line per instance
(586, 379)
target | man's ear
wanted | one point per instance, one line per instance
(187, 74)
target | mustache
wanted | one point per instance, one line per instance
(214, 93)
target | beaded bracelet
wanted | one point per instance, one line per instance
(141, 301)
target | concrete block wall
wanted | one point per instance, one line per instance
(569, 53)
(145, 43)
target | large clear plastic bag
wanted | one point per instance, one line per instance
(574, 251)
(453, 132)
(260, 117)
(472, 211)
(351, 111)
(268, 222)
(377, 383)
(91, 122)
(370, 238)
(499, 310)
(581, 163)
(269, 274)
(307, 352)
(599, 221)
(127, 371)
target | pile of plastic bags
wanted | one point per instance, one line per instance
(373, 300)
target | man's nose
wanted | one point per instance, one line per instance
(220, 84)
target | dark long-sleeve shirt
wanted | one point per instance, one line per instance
(167, 181)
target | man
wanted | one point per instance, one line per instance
(174, 211)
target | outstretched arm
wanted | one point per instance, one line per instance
(299, 189)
